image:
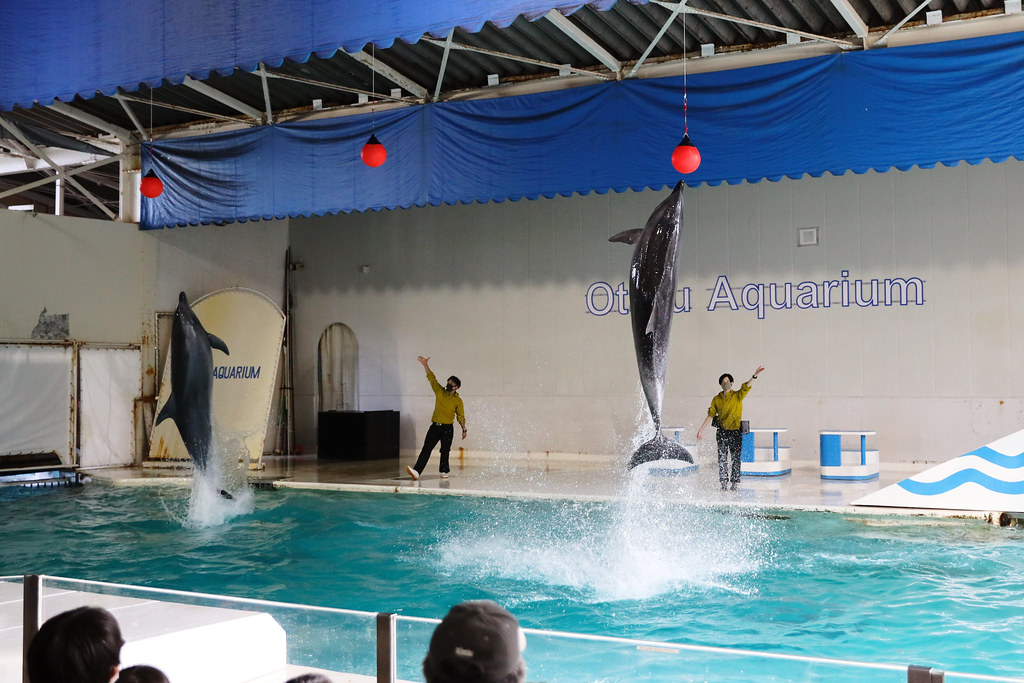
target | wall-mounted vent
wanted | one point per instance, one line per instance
(807, 237)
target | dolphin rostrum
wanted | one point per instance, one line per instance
(652, 290)
(191, 382)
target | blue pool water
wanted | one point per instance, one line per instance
(948, 594)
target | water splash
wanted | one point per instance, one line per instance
(221, 492)
(209, 506)
(634, 548)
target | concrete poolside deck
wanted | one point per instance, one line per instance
(555, 475)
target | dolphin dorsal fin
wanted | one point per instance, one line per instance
(218, 343)
(627, 236)
(169, 410)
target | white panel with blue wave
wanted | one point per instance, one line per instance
(988, 478)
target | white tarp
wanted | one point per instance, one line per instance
(35, 399)
(111, 380)
(989, 478)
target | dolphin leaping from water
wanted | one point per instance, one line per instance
(191, 382)
(652, 289)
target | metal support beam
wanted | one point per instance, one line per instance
(402, 81)
(189, 110)
(924, 674)
(849, 14)
(682, 7)
(224, 98)
(386, 669)
(59, 169)
(583, 40)
(676, 9)
(24, 160)
(444, 63)
(524, 60)
(885, 39)
(266, 93)
(49, 179)
(143, 133)
(122, 134)
(335, 86)
(32, 615)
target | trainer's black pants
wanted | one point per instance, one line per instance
(444, 434)
(730, 441)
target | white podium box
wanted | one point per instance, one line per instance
(847, 464)
(764, 460)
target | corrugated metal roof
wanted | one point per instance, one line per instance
(523, 54)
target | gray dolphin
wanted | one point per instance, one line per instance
(652, 290)
(191, 382)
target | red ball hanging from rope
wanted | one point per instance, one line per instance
(686, 157)
(373, 153)
(151, 186)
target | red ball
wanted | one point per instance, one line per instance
(373, 153)
(151, 186)
(686, 157)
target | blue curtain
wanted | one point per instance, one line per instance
(897, 107)
(62, 48)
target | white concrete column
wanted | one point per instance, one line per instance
(58, 197)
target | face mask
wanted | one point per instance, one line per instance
(450, 388)
(726, 385)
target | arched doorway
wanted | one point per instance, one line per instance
(337, 369)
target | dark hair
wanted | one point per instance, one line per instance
(142, 674)
(724, 375)
(456, 672)
(82, 645)
(309, 678)
(458, 382)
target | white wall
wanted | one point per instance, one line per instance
(112, 279)
(496, 294)
(98, 272)
(202, 259)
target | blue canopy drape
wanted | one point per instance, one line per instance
(62, 48)
(893, 108)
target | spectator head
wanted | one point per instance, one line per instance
(309, 678)
(82, 645)
(477, 642)
(142, 674)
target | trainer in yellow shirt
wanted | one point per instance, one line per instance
(447, 408)
(727, 406)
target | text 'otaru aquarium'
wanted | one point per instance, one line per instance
(603, 298)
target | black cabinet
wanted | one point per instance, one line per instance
(357, 435)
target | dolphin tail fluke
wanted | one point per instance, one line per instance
(169, 410)
(659, 448)
(218, 343)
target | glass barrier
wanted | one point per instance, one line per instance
(554, 657)
(199, 637)
(219, 638)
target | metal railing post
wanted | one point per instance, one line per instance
(386, 652)
(924, 674)
(32, 614)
